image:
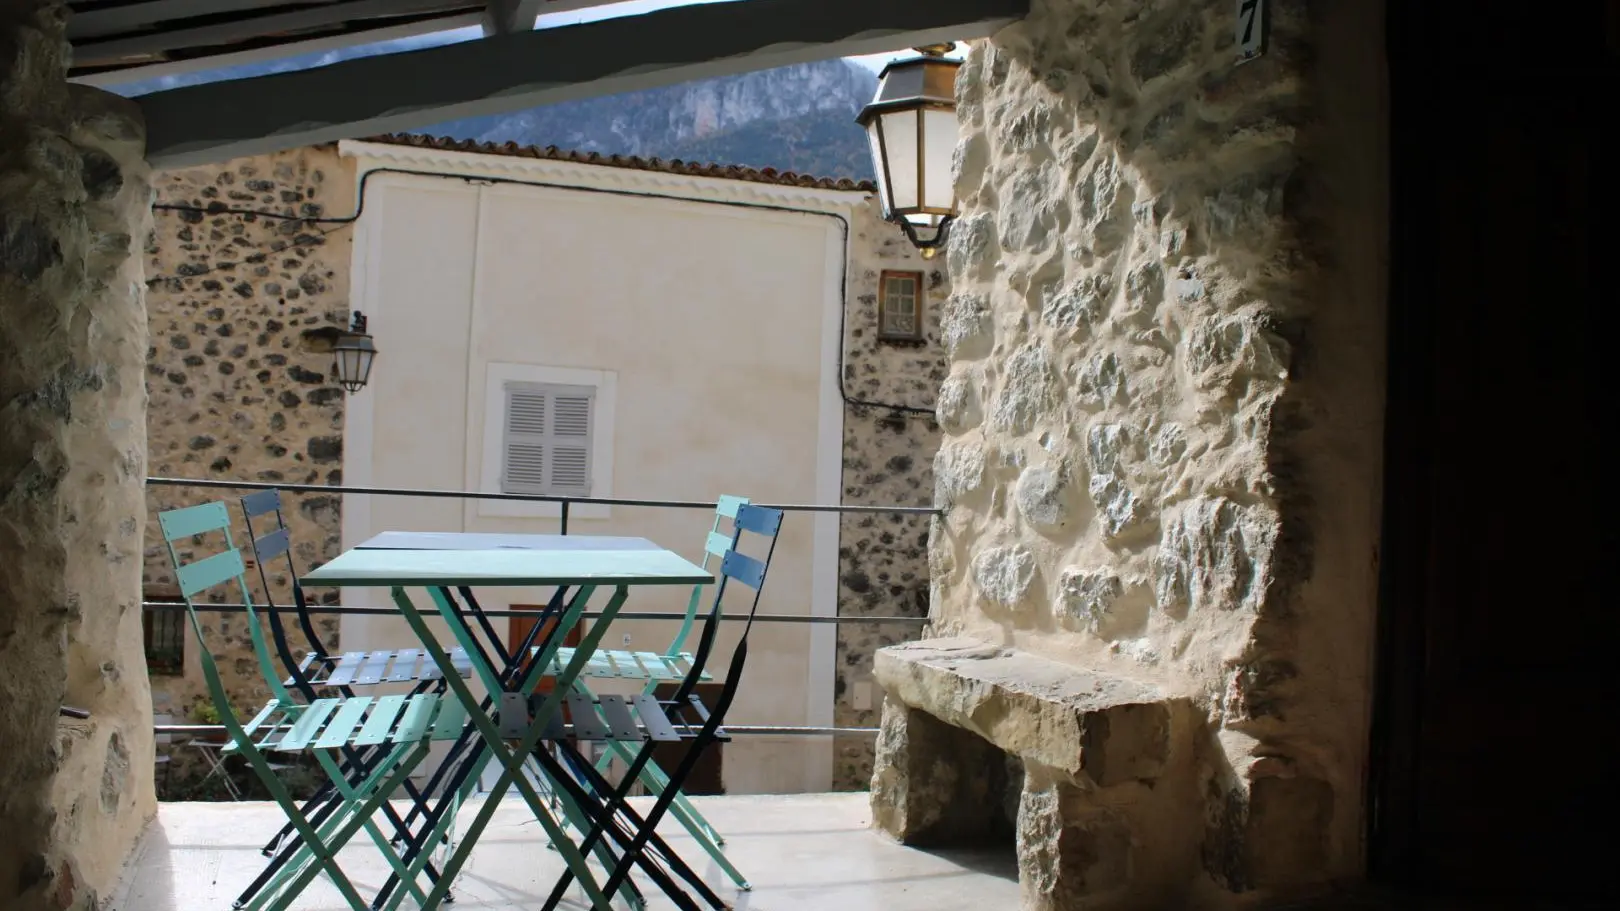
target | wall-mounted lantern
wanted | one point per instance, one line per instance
(352, 351)
(912, 128)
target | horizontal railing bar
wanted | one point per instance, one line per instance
(751, 730)
(622, 615)
(523, 497)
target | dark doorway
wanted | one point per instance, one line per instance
(517, 630)
(1487, 763)
(707, 775)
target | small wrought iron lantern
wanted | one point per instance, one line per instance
(354, 352)
(912, 126)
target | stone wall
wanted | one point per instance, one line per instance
(1163, 417)
(74, 793)
(888, 461)
(235, 392)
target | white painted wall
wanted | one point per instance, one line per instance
(716, 328)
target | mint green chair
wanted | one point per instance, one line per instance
(322, 728)
(672, 665)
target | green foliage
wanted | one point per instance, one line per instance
(204, 712)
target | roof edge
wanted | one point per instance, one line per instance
(769, 176)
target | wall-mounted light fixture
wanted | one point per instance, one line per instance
(352, 351)
(912, 126)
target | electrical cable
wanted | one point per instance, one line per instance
(360, 208)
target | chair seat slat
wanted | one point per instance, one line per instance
(452, 718)
(406, 665)
(414, 723)
(303, 669)
(621, 721)
(582, 712)
(372, 670)
(344, 721)
(259, 719)
(381, 722)
(627, 665)
(652, 718)
(309, 722)
(347, 667)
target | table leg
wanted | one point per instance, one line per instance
(511, 766)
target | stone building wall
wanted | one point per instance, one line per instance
(234, 391)
(74, 792)
(1163, 426)
(888, 461)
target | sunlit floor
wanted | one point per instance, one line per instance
(800, 852)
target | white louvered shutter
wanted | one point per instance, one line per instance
(547, 444)
(571, 408)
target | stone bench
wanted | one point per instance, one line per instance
(983, 743)
(1087, 725)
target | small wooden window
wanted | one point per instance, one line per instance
(547, 444)
(900, 307)
(164, 632)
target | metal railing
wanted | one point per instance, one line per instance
(566, 502)
(565, 507)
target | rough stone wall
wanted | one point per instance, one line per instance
(74, 794)
(235, 393)
(888, 461)
(1163, 413)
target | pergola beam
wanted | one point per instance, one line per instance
(157, 42)
(407, 90)
(507, 16)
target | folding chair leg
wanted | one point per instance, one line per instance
(656, 782)
(318, 851)
(605, 823)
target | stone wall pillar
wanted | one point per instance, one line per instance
(1163, 433)
(74, 206)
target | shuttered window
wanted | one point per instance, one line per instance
(547, 444)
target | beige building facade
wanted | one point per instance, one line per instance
(712, 366)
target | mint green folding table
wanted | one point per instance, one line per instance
(582, 568)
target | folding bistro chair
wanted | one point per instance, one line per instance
(330, 673)
(646, 721)
(319, 728)
(670, 666)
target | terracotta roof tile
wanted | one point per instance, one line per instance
(673, 166)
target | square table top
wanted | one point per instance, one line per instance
(508, 567)
(466, 540)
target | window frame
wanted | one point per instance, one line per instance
(487, 428)
(919, 299)
(171, 617)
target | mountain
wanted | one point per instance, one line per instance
(796, 118)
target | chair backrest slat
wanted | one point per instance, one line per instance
(272, 545)
(193, 520)
(261, 502)
(209, 572)
(744, 569)
(717, 545)
(760, 521)
(729, 505)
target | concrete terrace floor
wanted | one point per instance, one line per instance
(801, 852)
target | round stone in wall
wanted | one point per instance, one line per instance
(1004, 574)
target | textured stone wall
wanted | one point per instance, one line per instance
(235, 392)
(888, 461)
(1163, 409)
(74, 794)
